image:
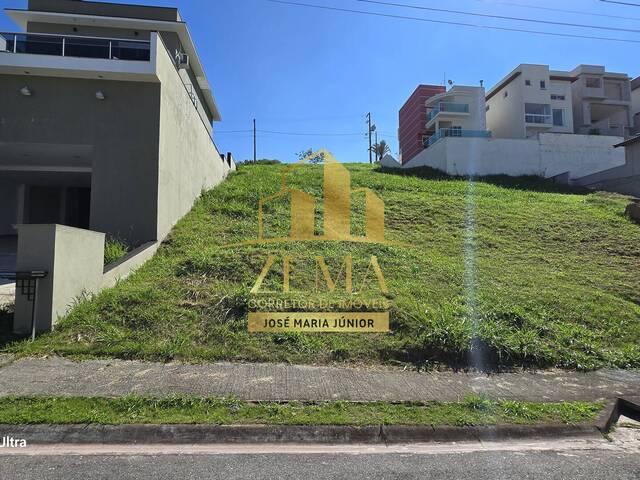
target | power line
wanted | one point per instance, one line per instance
(500, 17)
(301, 134)
(459, 24)
(621, 3)
(315, 134)
(561, 10)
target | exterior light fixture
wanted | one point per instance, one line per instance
(25, 91)
(100, 95)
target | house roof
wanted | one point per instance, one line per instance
(635, 83)
(629, 141)
(22, 17)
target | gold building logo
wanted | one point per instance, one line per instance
(336, 227)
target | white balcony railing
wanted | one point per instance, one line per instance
(75, 46)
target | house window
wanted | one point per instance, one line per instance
(543, 85)
(487, 108)
(537, 113)
(558, 117)
(505, 94)
(527, 83)
(557, 97)
(456, 131)
(593, 82)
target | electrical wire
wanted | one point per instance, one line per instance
(560, 10)
(622, 3)
(460, 24)
(500, 17)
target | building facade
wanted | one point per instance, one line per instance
(635, 104)
(533, 99)
(458, 112)
(106, 119)
(530, 100)
(412, 131)
(601, 101)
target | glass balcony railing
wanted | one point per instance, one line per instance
(448, 107)
(456, 132)
(73, 46)
(539, 118)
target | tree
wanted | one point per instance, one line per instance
(380, 149)
(307, 154)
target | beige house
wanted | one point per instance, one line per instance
(533, 99)
(105, 121)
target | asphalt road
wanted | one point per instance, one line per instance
(476, 465)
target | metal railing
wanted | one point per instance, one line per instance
(75, 46)
(538, 118)
(448, 107)
(456, 132)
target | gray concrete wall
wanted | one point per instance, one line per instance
(73, 259)
(123, 130)
(189, 160)
(8, 207)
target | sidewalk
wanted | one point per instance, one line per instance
(278, 382)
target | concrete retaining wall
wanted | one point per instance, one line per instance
(73, 260)
(546, 156)
(189, 162)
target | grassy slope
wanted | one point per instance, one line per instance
(183, 410)
(553, 280)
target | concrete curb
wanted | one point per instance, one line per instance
(251, 434)
(306, 434)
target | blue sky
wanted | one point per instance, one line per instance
(303, 70)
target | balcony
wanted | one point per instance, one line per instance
(456, 132)
(538, 119)
(448, 107)
(75, 46)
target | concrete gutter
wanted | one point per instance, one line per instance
(306, 434)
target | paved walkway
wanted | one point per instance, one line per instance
(109, 378)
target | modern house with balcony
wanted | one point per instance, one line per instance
(105, 119)
(458, 112)
(530, 100)
(601, 101)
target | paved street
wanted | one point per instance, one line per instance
(278, 382)
(588, 458)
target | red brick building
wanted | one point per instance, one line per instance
(413, 120)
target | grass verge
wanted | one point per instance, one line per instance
(474, 410)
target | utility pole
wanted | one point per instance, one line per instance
(376, 145)
(254, 141)
(369, 123)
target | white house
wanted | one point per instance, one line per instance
(531, 99)
(458, 112)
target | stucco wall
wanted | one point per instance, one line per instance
(189, 160)
(505, 117)
(73, 259)
(546, 156)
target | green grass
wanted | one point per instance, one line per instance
(114, 250)
(552, 281)
(193, 410)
